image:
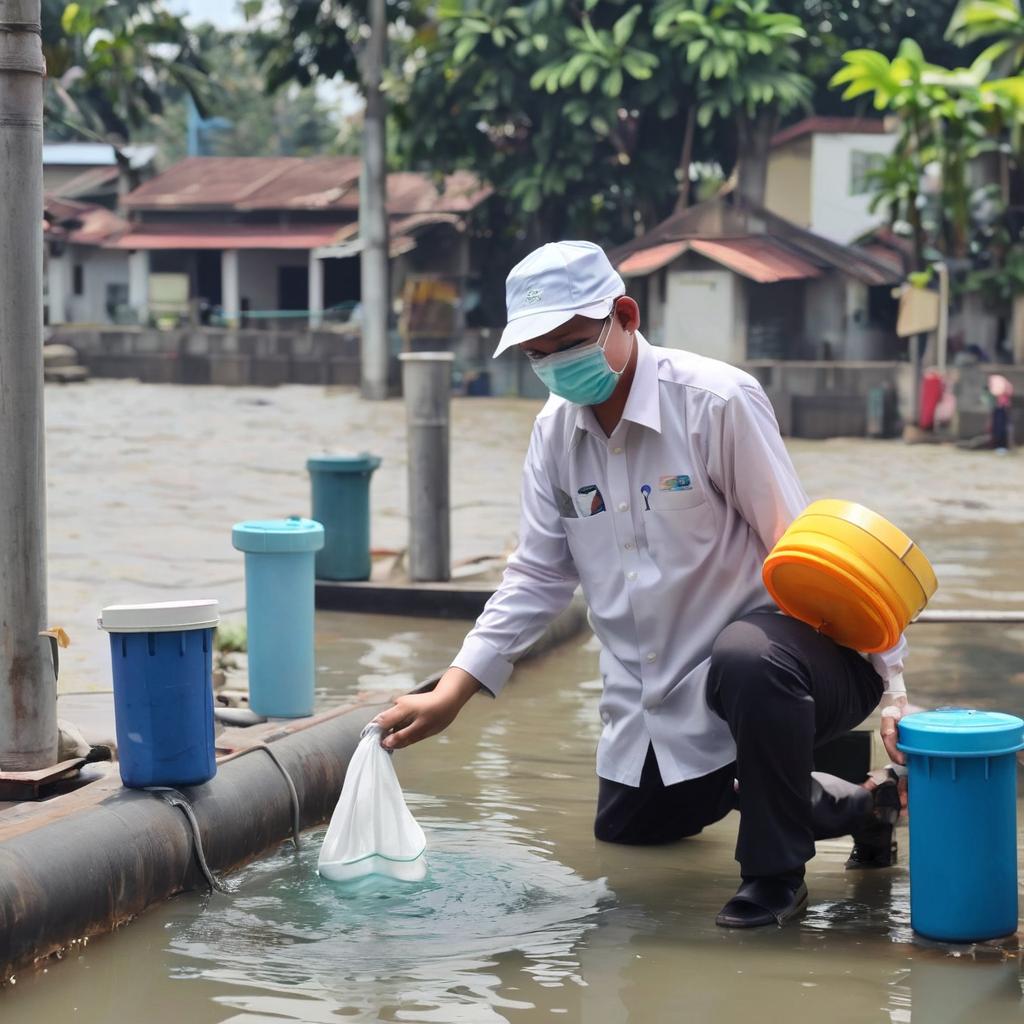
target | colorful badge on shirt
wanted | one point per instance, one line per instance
(680, 482)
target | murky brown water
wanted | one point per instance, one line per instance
(526, 917)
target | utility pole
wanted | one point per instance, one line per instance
(28, 698)
(373, 218)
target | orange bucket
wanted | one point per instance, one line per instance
(850, 574)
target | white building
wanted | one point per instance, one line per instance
(818, 174)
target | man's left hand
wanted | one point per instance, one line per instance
(893, 708)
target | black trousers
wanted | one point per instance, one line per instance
(783, 689)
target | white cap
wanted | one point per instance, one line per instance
(553, 284)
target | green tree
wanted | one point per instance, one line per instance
(744, 68)
(292, 121)
(110, 66)
(987, 20)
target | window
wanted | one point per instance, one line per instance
(862, 163)
(78, 279)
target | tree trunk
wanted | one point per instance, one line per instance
(685, 159)
(755, 137)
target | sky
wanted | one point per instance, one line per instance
(223, 13)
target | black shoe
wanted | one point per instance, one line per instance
(874, 845)
(761, 901)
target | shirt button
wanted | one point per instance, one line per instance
(617, 451)
(623, 506)
(629, 545)
(630, 575)
(651, 656)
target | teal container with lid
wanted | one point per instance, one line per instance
(280, 612)
(341, 501)
(963, 822)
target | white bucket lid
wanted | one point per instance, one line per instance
(163, 617)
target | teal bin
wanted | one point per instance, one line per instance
(341, 501)
(963, 822)
(279, 606)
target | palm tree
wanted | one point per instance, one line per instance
(745, 68)
(1002, 20)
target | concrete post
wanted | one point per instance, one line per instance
(373, 220)
(28, 693)
(316, 290)
(138, 284)
(427, 384)
(229, 297)
(57, 288)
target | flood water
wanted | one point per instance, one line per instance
(524, 916)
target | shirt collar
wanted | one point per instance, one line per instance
(643, 405)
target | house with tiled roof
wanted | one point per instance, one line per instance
(244, 240)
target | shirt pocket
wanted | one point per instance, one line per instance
(592, 543)
(676, 501)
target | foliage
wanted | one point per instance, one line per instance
(985, 20)
(294, 121)
(110, 65)
(231, 637)
(741, 56)
(960, 133)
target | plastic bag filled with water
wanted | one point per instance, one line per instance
(372, 831)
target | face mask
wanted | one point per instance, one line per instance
(581, 375)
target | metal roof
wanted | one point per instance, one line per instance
(729, 219)
(646, 261)
(226, 236)
(762, 259)
(296, 183)
(93, 154)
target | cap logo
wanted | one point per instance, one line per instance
(533, 296)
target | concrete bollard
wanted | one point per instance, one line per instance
(426, 385)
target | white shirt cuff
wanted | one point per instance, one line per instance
(896, 684)
(484, 664)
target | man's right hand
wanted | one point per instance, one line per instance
(416, 716)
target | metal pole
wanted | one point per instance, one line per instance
(373, 219)
(427, 385)
(966, 615)
(28, 704)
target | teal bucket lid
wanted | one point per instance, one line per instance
(364, 462)
(278, 535)
(961, 732)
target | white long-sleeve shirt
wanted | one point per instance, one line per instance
(696, 487)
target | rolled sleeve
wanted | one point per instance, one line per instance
(485, 664)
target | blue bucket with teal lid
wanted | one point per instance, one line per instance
(341, 501)
(162, 660)
(963, 822)
(280, 612)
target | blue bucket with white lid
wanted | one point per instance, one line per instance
(963, 822)
(280, 612)
(162, 660)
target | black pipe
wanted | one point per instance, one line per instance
(84, 874)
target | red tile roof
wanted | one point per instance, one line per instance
(762, 259)
(295, 183)
(830, 126)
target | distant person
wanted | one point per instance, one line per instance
(657, 479)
